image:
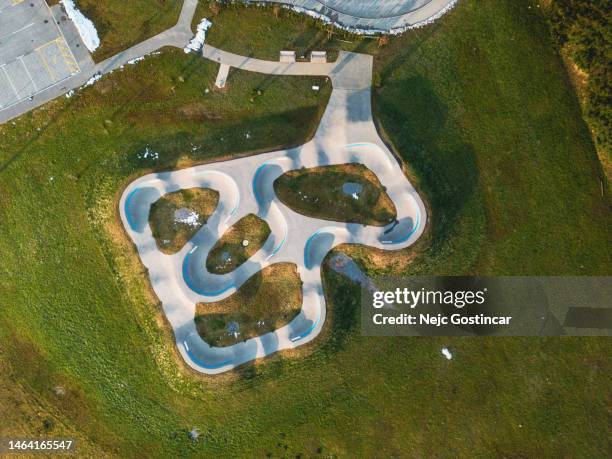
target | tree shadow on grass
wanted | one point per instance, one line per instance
(399, 54)
(222, 141)
(417, 122)
(343, 297)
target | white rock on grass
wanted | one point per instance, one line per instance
(148, 153)
(86, 28)
(92, 80)
(198, 41)
(186, 217)
(446, 353)
(136, 59)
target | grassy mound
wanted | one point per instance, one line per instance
(267, 301)
(177, 216)
(345, 193)
(229, 251)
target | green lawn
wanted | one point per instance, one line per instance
(121, 24)
(229, 251)
(267, 301)
(176, 217)
(485, 117)
(320, 192)
(265, 33)
(480, 107)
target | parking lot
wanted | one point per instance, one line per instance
(34, 54)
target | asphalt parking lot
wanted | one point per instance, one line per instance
(34, 54)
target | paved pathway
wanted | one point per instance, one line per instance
(346, 134)
(177, 36)
(222, 76)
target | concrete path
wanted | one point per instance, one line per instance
(346, 134)
(222, 76)
(177, 36)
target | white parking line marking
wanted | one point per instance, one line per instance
(17, 31)
(48, 88)
(28, 72)
(10, 82)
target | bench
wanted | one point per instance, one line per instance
(318, 57)
(287, 56)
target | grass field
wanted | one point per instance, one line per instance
(268, 31)
(122, 24)
(500, 149)
(229, 251)
(267, 301)
(479, 106)
(319, 192)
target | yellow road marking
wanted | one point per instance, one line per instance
(62, 46)
(65, 51)
(17, 2)
(46, 44)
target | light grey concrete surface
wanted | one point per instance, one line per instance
(34, 54)
(346, 134)
(177, 36)
(24, 28)
(371, 16)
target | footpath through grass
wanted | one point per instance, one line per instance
(480, 107)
